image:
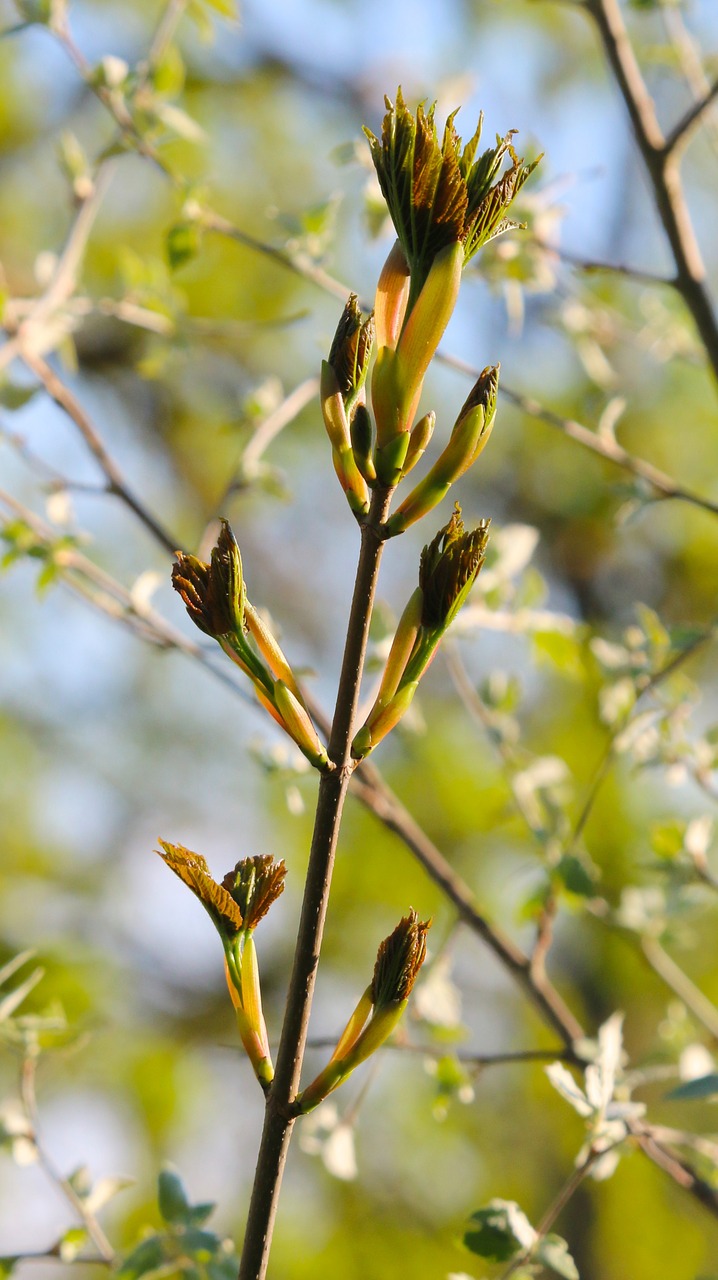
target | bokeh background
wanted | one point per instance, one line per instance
(107, 743)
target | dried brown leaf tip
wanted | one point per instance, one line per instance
(398, 961)
(213, 593)
(448, 569)
(192, 869)
(254, 884)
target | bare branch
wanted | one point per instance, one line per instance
(654, 682)
(592, 265)
(689, 58)
(85, 1215)
(116, 485)
(662, 163)
(680, 135)
(605, 446)
(674, 977)
(676, 1168)
(465, 1056)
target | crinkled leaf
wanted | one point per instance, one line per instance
(192, 869)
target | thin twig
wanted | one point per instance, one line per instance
(464, 1056)
(604, 765)
(212, 221)
(593, 265)
(55, 1254)
(676, 1168)
(568, 1190)
(605, 446)
(116, 484)
(689, 59)
(703, 1010)
(63, 282)
(267, 431)
(87, 1218)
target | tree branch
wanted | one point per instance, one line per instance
(661, 158)
(374, 792)
(605, 446)
(116, 485)
(86, 1217)
(681, 134)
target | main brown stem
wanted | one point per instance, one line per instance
(278, 1119)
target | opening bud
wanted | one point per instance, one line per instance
(213, 593)
(351, 352)
(448, 568)
(438, 192)
(254, 884)
(399, 959)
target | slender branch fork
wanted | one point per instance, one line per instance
(661, 156)
(333, 786)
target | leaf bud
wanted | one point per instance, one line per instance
(398, 961)
(351, 351)
(254, 884)
(421, 434)
(213, 593)
(361, 431)
(448, 568)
